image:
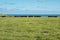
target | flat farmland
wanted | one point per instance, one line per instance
(29, 28)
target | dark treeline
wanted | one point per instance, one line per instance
(1, 15)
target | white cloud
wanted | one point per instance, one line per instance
(32, 10)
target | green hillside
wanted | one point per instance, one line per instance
(29, 28)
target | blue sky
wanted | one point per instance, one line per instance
(29, 6)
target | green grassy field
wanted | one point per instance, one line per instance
(29, 28)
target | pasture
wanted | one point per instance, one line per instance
(29, 28)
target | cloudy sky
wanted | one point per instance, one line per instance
(29, 6)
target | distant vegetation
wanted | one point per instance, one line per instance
(29, 28)
(4, 15)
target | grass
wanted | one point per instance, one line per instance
(33, 28)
